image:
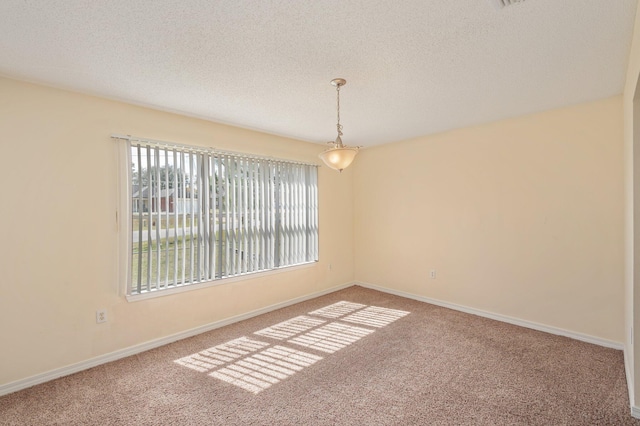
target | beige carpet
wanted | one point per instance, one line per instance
(354, 357)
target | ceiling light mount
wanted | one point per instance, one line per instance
(339, 156)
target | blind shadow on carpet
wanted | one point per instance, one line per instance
(353, 357)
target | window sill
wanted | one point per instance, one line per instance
(160, 293)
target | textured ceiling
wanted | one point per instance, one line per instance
(412, 67)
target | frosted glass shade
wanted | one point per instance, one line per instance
(339, 158)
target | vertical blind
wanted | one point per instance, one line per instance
(199, 215)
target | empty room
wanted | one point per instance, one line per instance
(319, 213)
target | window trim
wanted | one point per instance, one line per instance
(220, 281)
(125, 231)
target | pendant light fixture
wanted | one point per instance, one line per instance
(339, 156)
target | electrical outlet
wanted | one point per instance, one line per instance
(101, 316)
(329, 267)
(432, 274)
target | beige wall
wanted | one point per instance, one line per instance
(59, 240)
(632, 215)
(521, 217)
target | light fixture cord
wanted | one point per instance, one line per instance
(339, 126)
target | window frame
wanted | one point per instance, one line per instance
(125, 226)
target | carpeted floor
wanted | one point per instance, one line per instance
(354, 357)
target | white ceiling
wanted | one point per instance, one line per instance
(413, 67)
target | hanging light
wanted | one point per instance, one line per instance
(339, 156)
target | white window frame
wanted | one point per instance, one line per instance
(294, 244)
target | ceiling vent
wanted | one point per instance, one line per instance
(499, 4)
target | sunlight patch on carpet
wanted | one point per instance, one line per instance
(337, 309)
(258, 372)
(375, 316)
(331, 337)
(216, 356)
(254, 365)
(287, 329)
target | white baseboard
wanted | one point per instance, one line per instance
(635, 410)
(132, 350)
(504, 318)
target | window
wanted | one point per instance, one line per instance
(200, 215)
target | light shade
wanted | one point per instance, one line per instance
(339, 158)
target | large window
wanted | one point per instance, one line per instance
(200, 215)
